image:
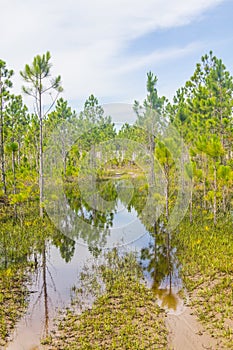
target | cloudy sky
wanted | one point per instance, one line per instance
(106, 47)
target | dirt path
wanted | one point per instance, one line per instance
(186, 333)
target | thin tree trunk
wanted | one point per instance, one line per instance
(166, 198)
(205, 207)
(37, 156)
(167, 190)
(64, 156)
(152, 151)
(64, 166)
(13, 171)
(41, 185)
(155, 272)
(14, 182)
(224, 199)
(204, 183)
(5, 252)
(2, 153)
(169, 262)
(191, 208)
(19, 150)
(46, 309)
(215, 194)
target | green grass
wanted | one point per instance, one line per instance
(13, 300)
(124, 317)
(206, 255)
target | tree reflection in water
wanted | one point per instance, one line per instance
(157, 257)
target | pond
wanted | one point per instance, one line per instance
(126, 224)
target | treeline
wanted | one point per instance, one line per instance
(24, 135)
(201, 111)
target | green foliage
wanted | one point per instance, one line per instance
(202, 113)
(205, 252)
(37, 73)
(13, 299)
(5, 85)
(124, 317)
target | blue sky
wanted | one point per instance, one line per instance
(106, 47)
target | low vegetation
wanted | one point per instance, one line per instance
(124, 317)
(206, 253)
(43, 154)
(13, 300)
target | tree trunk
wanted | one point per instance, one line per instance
(41, 184)
(5, 251)
(169, 262)
(155, 272)
(14, 182)
(205, 206)
(215, 194)
(2, 153)
(46, 308)
(19, 150)
(204, 183)
(191, 208)
(13, 171)
(224, 199)
(152, 152)
(64, 166)
(166, 170)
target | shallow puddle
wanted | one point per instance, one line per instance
(125, 227)
(170, 301)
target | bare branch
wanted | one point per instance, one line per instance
(53, 103)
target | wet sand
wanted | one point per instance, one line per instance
(186, 333)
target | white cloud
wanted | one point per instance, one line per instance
(87, 38)
(157, 56)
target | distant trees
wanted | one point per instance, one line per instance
(5, 85)
(149, 116)
(16, 123)
(97, 126)
(201, 111)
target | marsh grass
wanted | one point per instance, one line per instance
(124, 317)
(206, 256)
(13, 300)
(20, 239)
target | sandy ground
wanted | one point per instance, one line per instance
(186, 333)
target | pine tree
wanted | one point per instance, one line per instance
(38, 76)
(5, 84)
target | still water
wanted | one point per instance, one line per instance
(126, 225)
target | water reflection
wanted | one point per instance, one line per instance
(157, 256)
(123, 220)
(159, 261)
(168, 299)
